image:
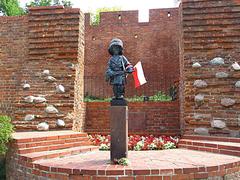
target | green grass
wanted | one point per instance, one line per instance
(96, 99)
(158, 97)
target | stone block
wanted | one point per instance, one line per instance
(43, 126)
(200, 84)
(29, 117)
(227, 102)
(199, 99)
(237, 84)
(26, 86)
(217, 61)
(201, 131)
(50, 79)
(46, 72)
(221, 75)
(39, 100)
(51, 110)
(236, 66)
(202, 116)
(60, 123)
(60, 89)
(196, 65)
(29, 99)
(218, 124)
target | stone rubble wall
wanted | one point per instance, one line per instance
(209, 75)
(40, 53)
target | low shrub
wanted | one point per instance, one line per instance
(158, 97)
(6, 129)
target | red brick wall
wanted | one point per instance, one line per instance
(144, 118)
(210, 29)
(48, 38)
(156, 46)
(13, 52)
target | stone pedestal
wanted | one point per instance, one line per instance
(119, 129)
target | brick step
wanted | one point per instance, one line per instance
(212, 138)
(50, 142)
(228, 148)
(31, 157)
(52, 147)
(36, 136)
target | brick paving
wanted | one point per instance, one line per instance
(69, 155)
(142, 162)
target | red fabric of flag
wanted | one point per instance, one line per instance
(138, 75)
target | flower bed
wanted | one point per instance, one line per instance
(138, 143)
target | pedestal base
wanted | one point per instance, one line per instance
(119, 129)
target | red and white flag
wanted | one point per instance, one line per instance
(138, 75)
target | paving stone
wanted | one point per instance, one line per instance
(217, 61)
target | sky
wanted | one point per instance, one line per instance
(91, 5)
(142, 5)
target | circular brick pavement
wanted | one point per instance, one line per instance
(174, 164)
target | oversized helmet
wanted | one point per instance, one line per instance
(115, 42)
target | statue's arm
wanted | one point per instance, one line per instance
(128, 65)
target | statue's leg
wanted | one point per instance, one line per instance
(122, 90)
(115, 90)
(119, 91)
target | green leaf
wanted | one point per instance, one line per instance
(6, 130)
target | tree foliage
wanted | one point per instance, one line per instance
(11, 8)
(65, 3)
(6, 130)
(95, 16)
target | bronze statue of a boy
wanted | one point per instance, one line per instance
(118, 68)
